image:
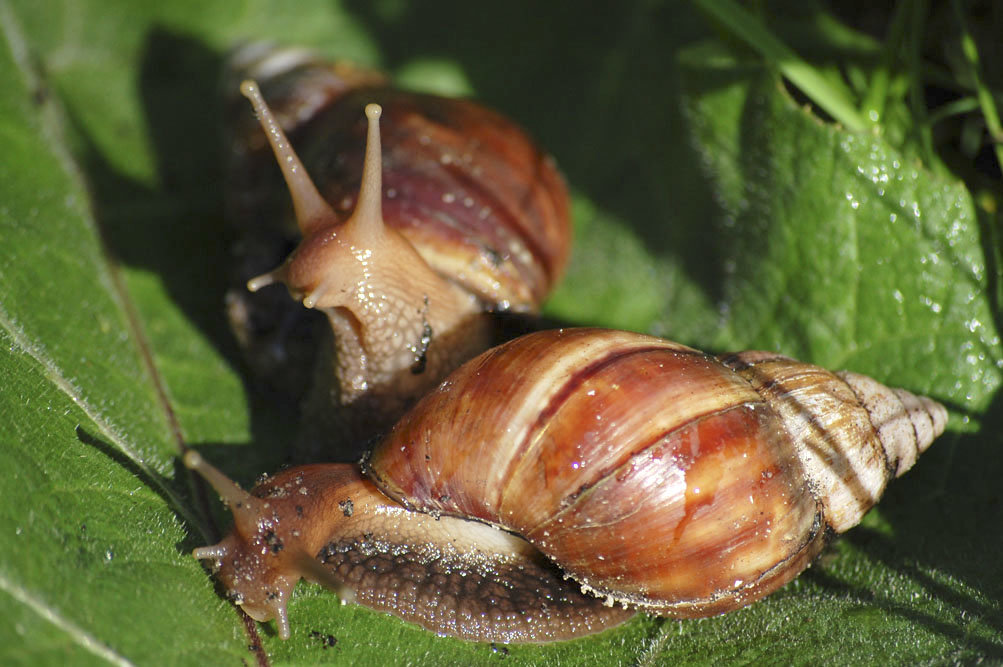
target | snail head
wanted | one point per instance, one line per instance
(266, 553)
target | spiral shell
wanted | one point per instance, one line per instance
(653, 474)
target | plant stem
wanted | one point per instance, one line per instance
(958, 107)
(877, 93)
(986, 101)
(745, 26)
(917, 16)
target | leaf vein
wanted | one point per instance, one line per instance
(78, 634)
(56, 376)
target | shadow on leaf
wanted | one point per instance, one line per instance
(944, 516)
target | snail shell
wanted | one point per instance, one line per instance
(463, 215)
(654, 476)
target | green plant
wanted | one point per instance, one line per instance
(717, 203)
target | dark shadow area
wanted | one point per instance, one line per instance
(176, 228)
(158, 484)
(631, 153)
(911, 613)
(945, 515)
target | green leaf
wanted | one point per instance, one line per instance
(710, 207)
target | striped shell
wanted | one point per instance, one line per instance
(651, 473)
(645, 472)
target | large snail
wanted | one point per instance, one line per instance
(465, 216)
(653, 476)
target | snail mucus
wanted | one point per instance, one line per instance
(553, 485)
(413, 250)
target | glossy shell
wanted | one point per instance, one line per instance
(649, 474)
(654, 474)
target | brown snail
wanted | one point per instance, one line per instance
(463, 216)
(654, 476)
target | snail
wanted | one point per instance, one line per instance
(406, 249)
(554, 484)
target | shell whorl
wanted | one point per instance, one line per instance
(852, 434)
(906, 424)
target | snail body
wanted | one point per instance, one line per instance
(406, 243)
(574, 469)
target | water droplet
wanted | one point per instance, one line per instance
(931, 304)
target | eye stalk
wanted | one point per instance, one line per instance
(327, 241)
(262, 559)
(312, 212)
(385, 303)
(448, 574)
